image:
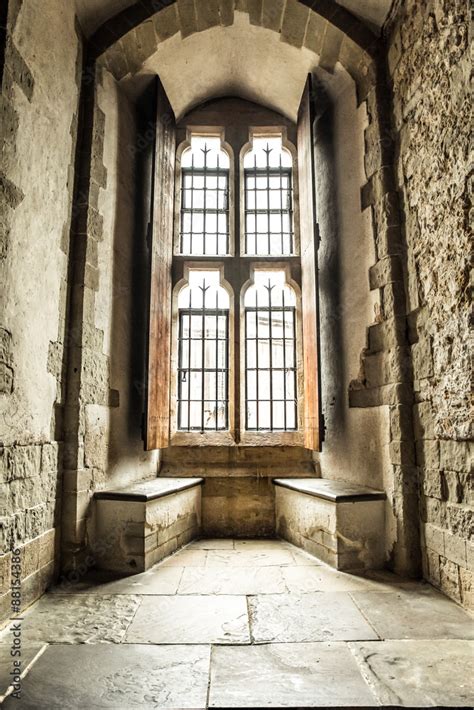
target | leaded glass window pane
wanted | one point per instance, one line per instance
(204, 223)
(270, 354)
(268, 199)
(203, 354)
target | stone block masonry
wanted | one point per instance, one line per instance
(429, 64)
(106, 242)
(335, 36)
(37, 138)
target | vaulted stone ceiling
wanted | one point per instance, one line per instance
(93, 13)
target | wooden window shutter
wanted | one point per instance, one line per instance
(157, 424)
(309, 271)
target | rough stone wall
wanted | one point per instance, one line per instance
(37, 138)
(122, 297)
(429, 66)
(355, 445)
(104, 446)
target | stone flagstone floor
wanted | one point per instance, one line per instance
(248, 624)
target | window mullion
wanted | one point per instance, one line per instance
(284, 358)
(257, 371)
(216, 375)
(270, 349)
(203, 354)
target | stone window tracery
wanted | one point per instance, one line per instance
(266, 387)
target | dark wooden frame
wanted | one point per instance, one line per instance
(309, 236)
(157, 429)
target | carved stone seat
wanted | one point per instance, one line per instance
(340, 523)
(139, 525)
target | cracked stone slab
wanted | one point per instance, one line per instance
(157, 580)
(186, 558)
(262, 545)
(322, 578)
(299, 618)
(227, 580)
(213, 544)
(79, 618)
(303, 558)
(419, 673)
(262, 557)
(29, 653)
(191, 619)
(420, 613)
(118, 677)
(287, 675)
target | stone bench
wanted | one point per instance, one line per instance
(340, 523)
(139, 525)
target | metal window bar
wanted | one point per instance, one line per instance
(288, 369)
(204, 198)
(212, 414)
(261, 184)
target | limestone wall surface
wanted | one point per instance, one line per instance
(429, 66)
(104, 444)
(38, 127)
(356, 439)
(121, 303)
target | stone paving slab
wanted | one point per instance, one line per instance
(287, 675)
(419, 613)
(157, 580)
(116, 676)
(263, 545)
(191, 620)
(322, 578)
(186, 558)
(230, 580)
(212, 544)
(305, 559)
(28, 653)
(310, 640)
(78, 618)
(419, 673)
(272, 556)
(300, 618)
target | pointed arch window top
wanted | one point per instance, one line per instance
(269, 287)
(268, 151)
(203, 291)
(205, 151)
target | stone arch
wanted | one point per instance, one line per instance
(332, 33)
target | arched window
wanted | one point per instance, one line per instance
(270, 354)
(203, 354)
(244, 358)
(204, 223)
(268, 179)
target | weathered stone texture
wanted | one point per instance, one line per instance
(37, 143)
(428, 61)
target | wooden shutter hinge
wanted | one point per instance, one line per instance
(148, 236)
(317, 235)
(323, 428)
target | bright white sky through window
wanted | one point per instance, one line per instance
(270, 353)
(204, 226)
(268, 198)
